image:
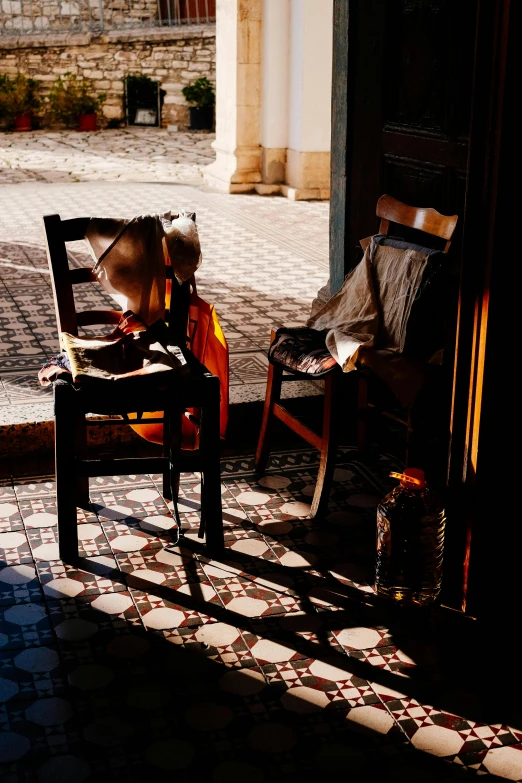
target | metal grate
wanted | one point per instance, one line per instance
(23, 17)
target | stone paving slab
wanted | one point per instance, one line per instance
(130, 155)
(264, 258)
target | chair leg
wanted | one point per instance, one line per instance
(274, 382)
(64, 417)
(167, 491)
(362, 411)
(82, 482)
(331, 423)
(209, 449)
(167, 436)
(171, 449)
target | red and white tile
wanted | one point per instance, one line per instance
(163, 616)
(14, 548)
(19, 584)
(10, 517)
(139, 534)
(250, 599)
(218, 641)
(61, 580)
(308, 685)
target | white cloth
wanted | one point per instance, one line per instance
(130, 258)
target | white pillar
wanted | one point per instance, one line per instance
(308, 154)
(275, 84)
(238, 93)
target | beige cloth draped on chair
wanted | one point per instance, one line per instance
(372, 307)
(131, 254)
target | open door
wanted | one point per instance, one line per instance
(419, 110)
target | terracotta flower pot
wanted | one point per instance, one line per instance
(87, 122)
(23, 122)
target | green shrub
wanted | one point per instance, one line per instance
(71, 96)
(19, 96)
(200, 93)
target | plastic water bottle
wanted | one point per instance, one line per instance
(410, 541)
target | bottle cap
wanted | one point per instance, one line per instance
(411, 478)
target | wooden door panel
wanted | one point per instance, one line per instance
(427, 71)
(418, 182)
(409, 65)
(416, 84)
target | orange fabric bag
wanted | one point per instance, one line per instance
(208, 344)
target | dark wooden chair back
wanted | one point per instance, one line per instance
(424, 219)
(58, 233)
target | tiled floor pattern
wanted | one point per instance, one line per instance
(276, 662)
(264, 259)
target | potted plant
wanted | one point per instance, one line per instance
(203, 97)
(72, 101)
(20, 100)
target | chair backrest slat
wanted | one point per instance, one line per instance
(58, 232)
(74, 229)
(428, 220)
(60, 275)
(83, 275)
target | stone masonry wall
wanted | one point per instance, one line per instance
(173, 57)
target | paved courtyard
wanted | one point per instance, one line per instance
(129, 155)
(264, 258)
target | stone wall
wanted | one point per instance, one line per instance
(174, 57)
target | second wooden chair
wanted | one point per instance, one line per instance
(391, 212)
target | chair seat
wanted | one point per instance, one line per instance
(146, 393)
(120, 394)
(302, 350)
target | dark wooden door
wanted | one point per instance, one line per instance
(423, 99)
(401, 123)
(405, 114)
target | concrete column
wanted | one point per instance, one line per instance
(308, 154)
(238, 94)
(275, 85)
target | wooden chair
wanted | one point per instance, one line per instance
(170, 393)
(391, 212)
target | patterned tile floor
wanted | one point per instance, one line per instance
(264, 258)
(276, 662)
